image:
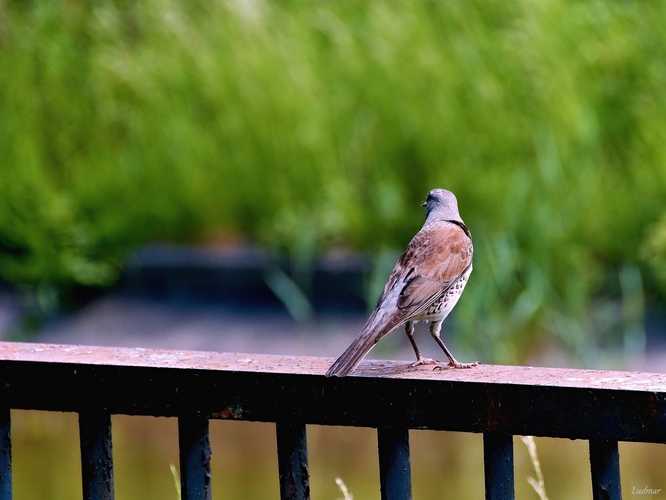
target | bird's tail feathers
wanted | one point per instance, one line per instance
(359, 348)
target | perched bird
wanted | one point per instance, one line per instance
(425, 284)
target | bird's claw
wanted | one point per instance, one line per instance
(424, 361)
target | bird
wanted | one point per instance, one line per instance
(425, 285)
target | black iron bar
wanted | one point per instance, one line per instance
(498, 466)
(195, 452)
(605, 468)
(96, 455)
(5, 454)
(292, 461)
(395, 475)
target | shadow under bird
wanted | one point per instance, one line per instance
(425, 285)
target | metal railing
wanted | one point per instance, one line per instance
(499, 401)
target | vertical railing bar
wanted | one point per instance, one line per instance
(498, 466)
(395, 475)
(96, 455)
(292, 450)
(195, 452)
(5, 454)
(605, 469)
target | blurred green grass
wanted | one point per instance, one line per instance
(305, 126)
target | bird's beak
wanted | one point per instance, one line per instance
(424, 203)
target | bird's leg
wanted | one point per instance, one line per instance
(420, 360)
(435, 328)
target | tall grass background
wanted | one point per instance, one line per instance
(307, 126)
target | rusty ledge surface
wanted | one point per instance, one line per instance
(300, 365)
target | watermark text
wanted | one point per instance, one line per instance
(645, 491)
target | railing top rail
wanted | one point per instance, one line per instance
(303, 365)
(571, 403)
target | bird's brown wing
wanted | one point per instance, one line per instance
(433, 261)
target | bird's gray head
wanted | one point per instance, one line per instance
(441, 205)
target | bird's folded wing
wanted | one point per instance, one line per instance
(445, 255)
(420, 291)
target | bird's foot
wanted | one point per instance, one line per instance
(456, 364)
(424, 361)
